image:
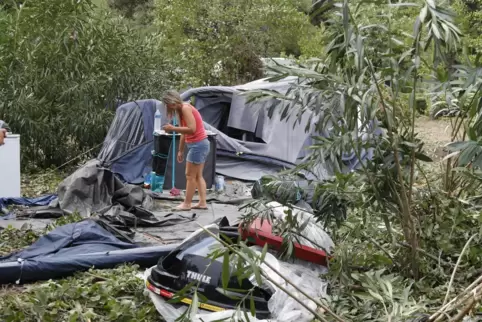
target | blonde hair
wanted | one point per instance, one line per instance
(172, 97)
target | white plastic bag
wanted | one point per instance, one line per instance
(306, 276)
(313, 234)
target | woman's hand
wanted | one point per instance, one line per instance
(180, 156)
(3, 135)
(169, 128)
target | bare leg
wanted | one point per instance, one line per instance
(201, 187)
(191, 170)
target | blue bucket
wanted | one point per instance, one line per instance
(157, 182)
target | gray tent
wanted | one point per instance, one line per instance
(250, 143)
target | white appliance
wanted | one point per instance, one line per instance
(10, 167)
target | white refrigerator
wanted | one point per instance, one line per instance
(10, 167)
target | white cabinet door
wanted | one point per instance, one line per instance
(10, 167)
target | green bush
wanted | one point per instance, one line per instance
(221, 42)
(62, 66)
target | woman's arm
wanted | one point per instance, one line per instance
(181, 143)
(3, 135)
(189, 119)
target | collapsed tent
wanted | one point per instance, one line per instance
(22, 201)
(72, 248)
(250, 141)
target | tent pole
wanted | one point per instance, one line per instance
(174, 191)
(173, 159)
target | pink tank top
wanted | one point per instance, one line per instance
(200, 133)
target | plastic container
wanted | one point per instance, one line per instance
(147, 181)
(10, 167)
(157, 121)
(219, 183)
(157, 182)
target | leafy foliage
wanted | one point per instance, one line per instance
(470, 14)
(12, 239)
(64, 65)
(220, 42)
(97, 295)
(45, 182)
(362, 77)
(130, 7)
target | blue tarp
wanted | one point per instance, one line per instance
(127, 149)
(72, 248)
(30, 202)
(38, 201)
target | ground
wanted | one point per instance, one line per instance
(435, 134)
(100, 290)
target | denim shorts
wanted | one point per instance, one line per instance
(198, 151)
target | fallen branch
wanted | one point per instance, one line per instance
(464, 311)
(383, 250)
(424, 252)
(459, 299)
(455, 268)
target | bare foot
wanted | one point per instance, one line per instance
(183, 207)
(200, 206)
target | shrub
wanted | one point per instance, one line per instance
(63, 65)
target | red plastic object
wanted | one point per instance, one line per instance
(262, 233)
(175, 192)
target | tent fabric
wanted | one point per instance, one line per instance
(128, 145)
(93, 189)
(129, 142)
(280, 139)
(72, 248)
(250, 143)
(29, 202)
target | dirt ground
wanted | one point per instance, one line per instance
(435, 134)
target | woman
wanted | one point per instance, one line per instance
(194, 136)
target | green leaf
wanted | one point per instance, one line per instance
(264, 252)
(245, 313)
(194, 305)
(226, 273)
(468, 154)
(257, 274)
(458, 146)
(376, 295)
(423, 157)
(252, 306)
(423, 14)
